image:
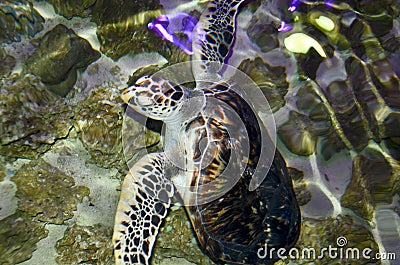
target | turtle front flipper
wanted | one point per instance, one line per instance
(145, 197)
(214, 36)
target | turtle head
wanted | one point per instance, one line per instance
(154, 97)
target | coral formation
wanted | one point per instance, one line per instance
(72, 8)
(32, 118)
(7, 63)
(176, 239)
(18, 237)
(46, 193)
(18, 19)
(122, 27)
(85, 245)
(365, 189)
(99, 123)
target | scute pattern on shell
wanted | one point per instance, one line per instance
(233, 227)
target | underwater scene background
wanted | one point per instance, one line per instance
(329, 70)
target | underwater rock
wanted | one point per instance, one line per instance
(308, 63)
(352, 109)
(365, 33)
(297, 134)
(386, 82)
(343, 114)
(391, 134)
(176, 55)
(320, 233)
(372, 7)
(122, 27)
(18, 19)
(303, 194)
(7, 63)
(99, 123)
(60, 54)
(378, 15)
(46, 193)
(72, 8)
(8, 204)
(176, 239)
(139, 139)
(303, 134)
(32, 118)
(365, 189)
(329, 24)
(364, 42)
(18, 237)
(262, 34)
(393, 146)
(348, 114)
(346, 109)
(271, 80)
(364, 95)
(85, 245)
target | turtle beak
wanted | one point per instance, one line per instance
(128, 94)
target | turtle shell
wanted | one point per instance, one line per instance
(235, 226)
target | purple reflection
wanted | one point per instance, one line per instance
(294, 5)
(284, 27)
(168, 27)
(329, 3)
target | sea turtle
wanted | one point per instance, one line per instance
(232, 224)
